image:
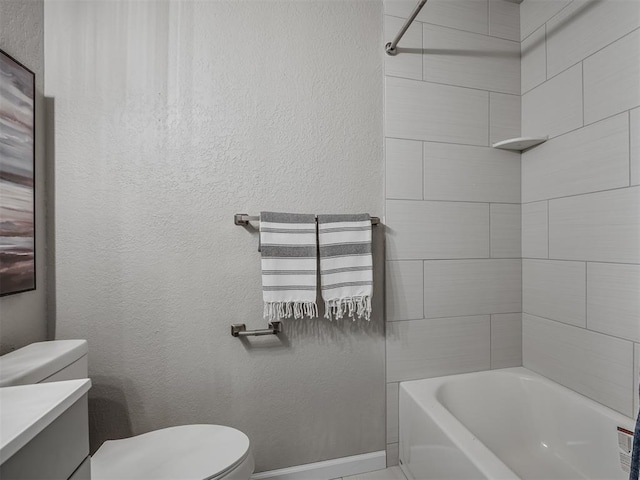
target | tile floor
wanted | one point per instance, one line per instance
(391, 473)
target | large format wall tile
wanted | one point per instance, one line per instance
(392, 412)
(471, 287)
(613, 299)
(471, 60)
(474, 174)
(407, 63)
(586, 26)
(534, 13)
(535, 232)
(555, 107)
(428, 230)
(636, 375)
(533, 60)
(506, 340)
(441, 113)
(468, 15)
(593, 364)
(590, 159)
(505, 230)
(598, 227)
(435, 347)
(404, 290)
(612, 78)
(634, 128)
(403, 169)
(504, 116)
(555, 290)
(504, 19)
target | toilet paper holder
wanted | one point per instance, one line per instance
(240, 330)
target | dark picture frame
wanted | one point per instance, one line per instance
(17, 177)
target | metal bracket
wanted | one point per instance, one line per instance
(240, 330)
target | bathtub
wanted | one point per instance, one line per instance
(507, 424)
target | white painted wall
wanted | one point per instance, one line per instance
(169, 118)
(452, 202)
(23, 317)
(581, 196)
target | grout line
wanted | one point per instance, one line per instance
(489, 146)
(423, 170)
(490, 345)
(629, 125)
(490, 254)
(568, 260)
(546, 55)
(431, 82)
(578, 326)
(424, 312)
(586, 276)
(453, 316)
(451, 201)
(582, 81)
(548, 233)
(489, 119)
(453, 28)
(625, 187)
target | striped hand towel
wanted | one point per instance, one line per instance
(346, 264)
(289, 258)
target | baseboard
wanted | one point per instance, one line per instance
(329, 469)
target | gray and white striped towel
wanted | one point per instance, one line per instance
(289, 265)
(346, 265)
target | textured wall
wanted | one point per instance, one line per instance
(452, 202)
(581, 196)
(169, 118)
(23, 317)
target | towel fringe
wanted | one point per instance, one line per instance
(339, 307)
(274, 311)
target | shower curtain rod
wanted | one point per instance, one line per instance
(390, 47)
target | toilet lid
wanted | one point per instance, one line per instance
(189, 452)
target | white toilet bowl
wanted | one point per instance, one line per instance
(198, 452)
(187, 452)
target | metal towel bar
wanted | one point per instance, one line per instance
(244, 219)
(240, 330)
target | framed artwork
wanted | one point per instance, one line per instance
(17, 177)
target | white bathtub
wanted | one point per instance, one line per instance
(506, 424)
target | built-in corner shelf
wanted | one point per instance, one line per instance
(519, 144)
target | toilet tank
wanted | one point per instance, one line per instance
(40, 362)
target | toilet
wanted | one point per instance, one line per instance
(189, 452)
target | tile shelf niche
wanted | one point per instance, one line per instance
(519, 144)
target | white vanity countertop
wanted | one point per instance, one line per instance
(26, 410)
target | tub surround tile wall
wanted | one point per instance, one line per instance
(533, 57)
(611, 78)
(598, 366)
(555, 106)
(586, 160)
(535, 230)
(504, 116)
(453, 213)
(634, 128)
(636, 376)
(438, 346)
(581, 202)
(584, 28)
(506, 340)
(536, 12)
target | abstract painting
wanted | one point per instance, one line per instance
(17, 192)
